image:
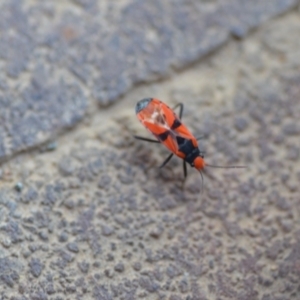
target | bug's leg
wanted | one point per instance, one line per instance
(166, 161)
(185, 175)
(202, 182)
(184, 170)
(145, 139)
(180, 110)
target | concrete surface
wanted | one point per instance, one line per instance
(85, 213)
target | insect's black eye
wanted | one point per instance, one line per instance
(142, 104)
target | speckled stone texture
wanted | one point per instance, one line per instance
(90, 216)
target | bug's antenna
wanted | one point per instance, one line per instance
(226, 167)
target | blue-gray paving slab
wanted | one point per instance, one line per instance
(53, 53)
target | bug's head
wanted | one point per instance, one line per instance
(142, 104)
(199, 163)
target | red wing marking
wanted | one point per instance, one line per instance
(158, 118)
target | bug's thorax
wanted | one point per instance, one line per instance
(154, 114)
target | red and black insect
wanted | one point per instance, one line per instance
(168, 129)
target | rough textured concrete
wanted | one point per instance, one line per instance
(91, 217)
